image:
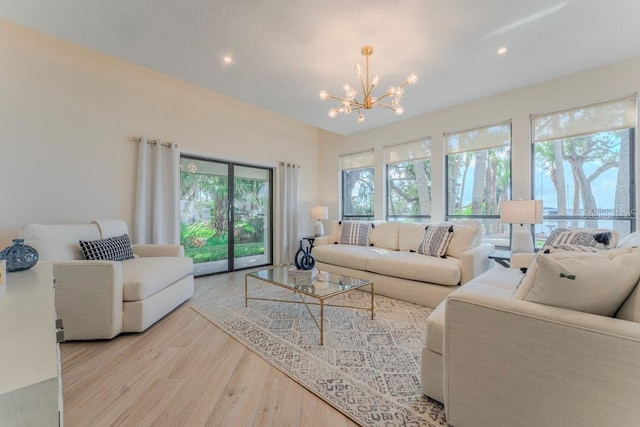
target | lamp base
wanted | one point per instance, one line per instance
(521, 240)
(318, 229)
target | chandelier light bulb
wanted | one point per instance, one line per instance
(366, 84)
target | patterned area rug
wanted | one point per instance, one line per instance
(367, 369)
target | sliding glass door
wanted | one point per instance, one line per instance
(225, 214)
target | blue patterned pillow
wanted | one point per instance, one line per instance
(436, 239)
(111, 249)
(355, 233)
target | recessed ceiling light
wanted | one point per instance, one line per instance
(502, 51)
(227, 60)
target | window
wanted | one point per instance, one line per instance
(358, 188)
(408, 181)
(583, 167)
(479, 178)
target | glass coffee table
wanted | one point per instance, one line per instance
(323, 287)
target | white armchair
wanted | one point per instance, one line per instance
(101, 299)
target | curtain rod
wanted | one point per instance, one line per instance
(289, 164)
(154, 142)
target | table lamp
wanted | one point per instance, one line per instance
(319, 213)
(521, 212)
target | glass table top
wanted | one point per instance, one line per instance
(323, 284)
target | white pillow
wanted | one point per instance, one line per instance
(595, 283)
(631, 240)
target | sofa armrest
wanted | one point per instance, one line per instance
(89, 298)
(528, 364)
(324, 240)
(158, 250)
(475, 261)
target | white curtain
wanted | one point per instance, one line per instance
(157, 216)
(288, 220)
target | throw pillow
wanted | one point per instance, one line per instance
(111, 249)
(595, 283)
(355, 233)
(563, 236)
(572, 248)
(436, 240)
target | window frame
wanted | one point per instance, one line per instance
(353, 217)
(406, 151)
(632, 183)
(453, 217)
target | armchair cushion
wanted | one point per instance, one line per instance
(110, 249)
(145, 276)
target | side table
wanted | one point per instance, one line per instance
(310, 240)
(502, 257)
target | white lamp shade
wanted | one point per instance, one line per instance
(320, 212)
(521, 211)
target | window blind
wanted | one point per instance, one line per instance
(364, 159)
(415, 150)
(603, 116)
(482, 138)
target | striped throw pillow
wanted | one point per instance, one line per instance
(355, 233)
(436, 239)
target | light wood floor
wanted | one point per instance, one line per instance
(184, 371)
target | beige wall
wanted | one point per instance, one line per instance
(68, 114)
(593, 85)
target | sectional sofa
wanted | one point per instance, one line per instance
(389, 258)
(495, 357)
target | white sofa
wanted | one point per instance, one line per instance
(495, 360)
(101, 299)
(399, 273)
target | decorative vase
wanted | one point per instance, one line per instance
(19, 256)
(303, 259)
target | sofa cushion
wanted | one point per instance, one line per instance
(385, 235)
(415, 266)
(498, 282)
(110, 249)
(630, 308)
(631, 240)
(145, 276)
(59, 242)
(336, 231)
(595, 283)
(436, 240)
(355, 233)
(349, 256)
(410, 235)
(464, 238)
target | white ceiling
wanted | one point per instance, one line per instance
(286, 51)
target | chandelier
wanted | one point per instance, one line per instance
(350, 102)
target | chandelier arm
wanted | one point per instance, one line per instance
(385, 106)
